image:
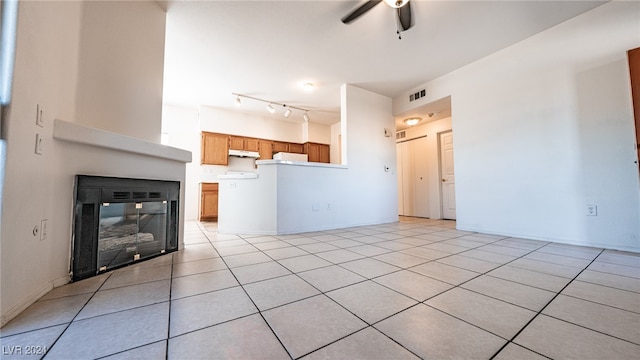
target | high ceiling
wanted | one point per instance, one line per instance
(269, 49)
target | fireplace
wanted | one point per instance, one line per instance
(119, 221)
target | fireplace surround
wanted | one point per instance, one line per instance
(119, 221)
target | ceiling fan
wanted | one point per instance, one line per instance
(402, 7)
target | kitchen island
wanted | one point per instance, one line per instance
(283, 197)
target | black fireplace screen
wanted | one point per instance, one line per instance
(119, 221)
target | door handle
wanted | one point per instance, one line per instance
(443, 180)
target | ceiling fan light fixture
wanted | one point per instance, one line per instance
(412, 121)
(307, 86)
(396, 3)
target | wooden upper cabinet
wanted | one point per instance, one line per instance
(317, 152)
(236, 143)
(280, 147)
(266, 150)
(296, 148)
(214, 149)
(251, 144)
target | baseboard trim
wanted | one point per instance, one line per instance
(31, 299)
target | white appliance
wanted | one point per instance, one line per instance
(290, 156)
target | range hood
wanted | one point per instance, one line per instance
(244, 153)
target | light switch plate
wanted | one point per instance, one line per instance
(39, 144)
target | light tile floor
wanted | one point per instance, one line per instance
(417, 288)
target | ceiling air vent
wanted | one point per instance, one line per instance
(417, 95)
(401, 135)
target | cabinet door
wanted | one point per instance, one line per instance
(280, 147)
(266, 150)
(324, 153)
(214, 149)
(296, 148)
(251, 144)
(236, 143)
(317, 152)
(208, 201)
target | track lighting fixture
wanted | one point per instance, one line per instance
(288, 109)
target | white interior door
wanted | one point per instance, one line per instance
(448, 188)
(420, 177)
(413, 186)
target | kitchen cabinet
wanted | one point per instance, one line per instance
(265, 150)
(208, 201)
(243, 143)
(214, 149)
(296, 148)
(279, 146)
(236, 142)
(251, 144)
(317, 152)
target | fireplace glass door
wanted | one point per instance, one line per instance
(130, 231)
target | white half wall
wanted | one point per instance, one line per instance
(545, 127)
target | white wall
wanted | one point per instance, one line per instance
(40, 187)
(366, 150)
(335, 155)
(119, 89)
(545, 127)
(182, 124)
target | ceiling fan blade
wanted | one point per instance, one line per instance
(360, 11)
(405, 19)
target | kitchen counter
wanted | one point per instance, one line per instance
(283, 197)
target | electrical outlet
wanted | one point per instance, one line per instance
(592, 210)
(386, 168)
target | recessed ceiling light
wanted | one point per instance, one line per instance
(412, 121)
(308, 86)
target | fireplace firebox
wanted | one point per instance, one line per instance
(119, 221)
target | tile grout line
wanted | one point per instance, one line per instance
(252, 301)
(542, 309)
(74, 317)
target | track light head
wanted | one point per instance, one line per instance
(270, 108)
(287, 112)
(238, 101)
(305, 117)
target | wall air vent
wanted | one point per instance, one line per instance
(139, 195)
(417, 95)
(121, 195)
(401, 135)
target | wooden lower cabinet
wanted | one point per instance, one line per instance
(208, 201)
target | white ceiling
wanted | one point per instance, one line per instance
(268, 49)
